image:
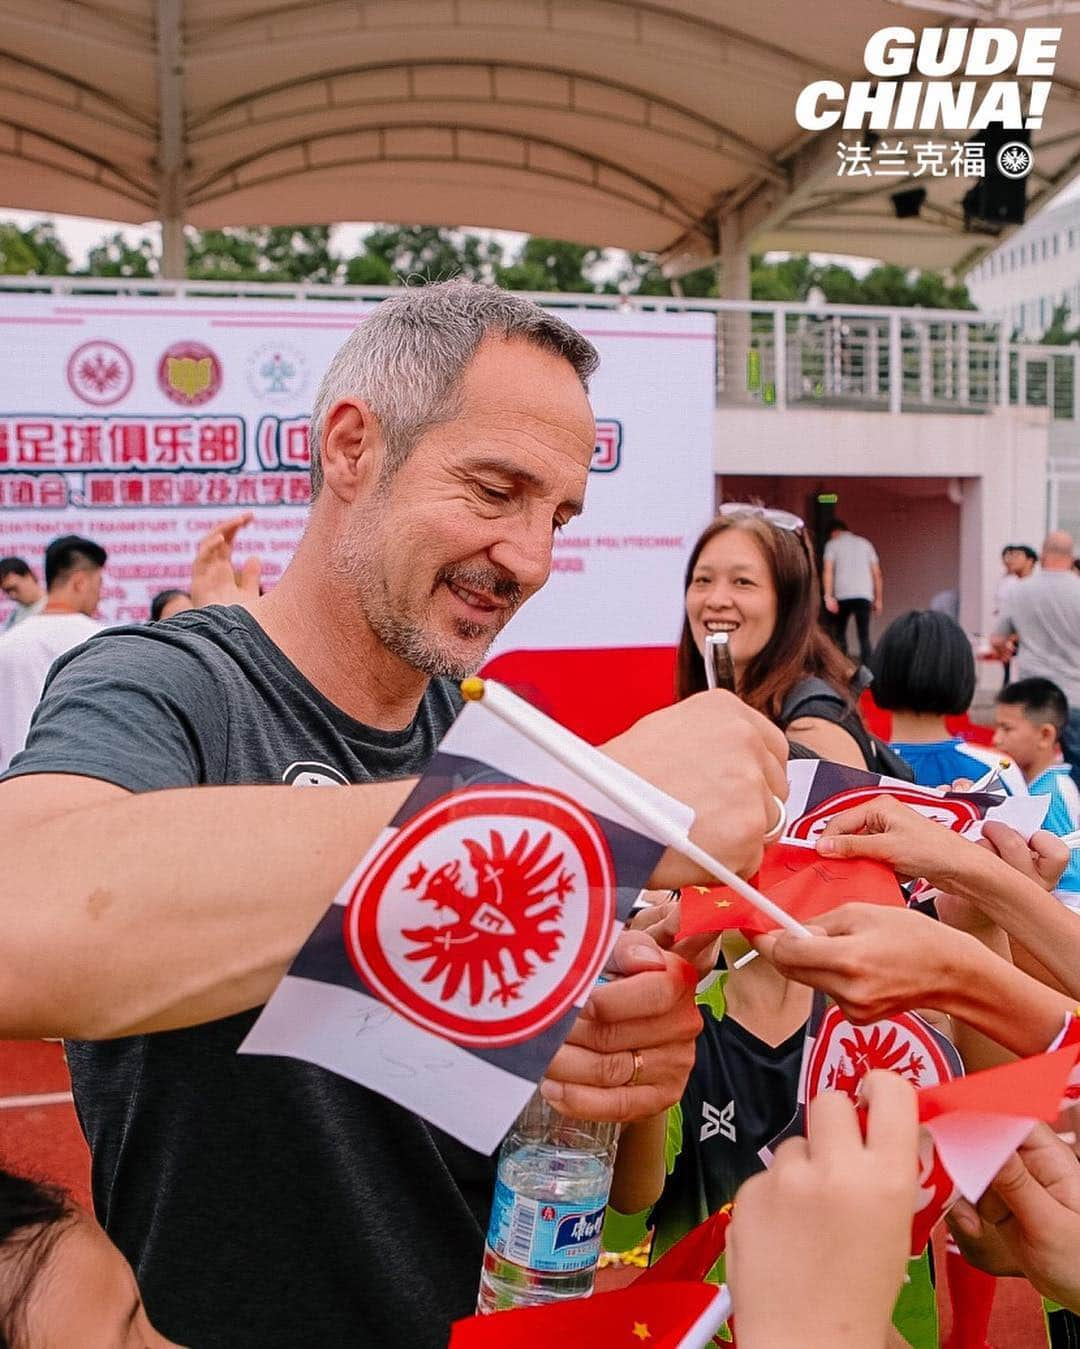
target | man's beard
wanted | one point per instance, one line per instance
(405, 636)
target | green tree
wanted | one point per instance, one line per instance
(551, 264)
(292, 253)
(1059, 334)
(428, 252)
(114, 256)
(34, 251)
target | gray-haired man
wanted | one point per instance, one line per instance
(263, 1201)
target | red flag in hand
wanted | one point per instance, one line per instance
(1030, 1088)
(800, 881)
(657, 1316)
(976, 1122)
(693, 1255)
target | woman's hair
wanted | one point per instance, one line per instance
(32, 1218)
(924, 663)
(160, 600)
(798, 647)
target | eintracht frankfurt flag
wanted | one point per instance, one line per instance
(820, 789)
(454, 960)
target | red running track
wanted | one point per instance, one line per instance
(43, 1139)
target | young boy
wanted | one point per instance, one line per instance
(1028, 722)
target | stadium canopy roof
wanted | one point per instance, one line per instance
(664, 125)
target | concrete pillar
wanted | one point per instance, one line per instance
(171, 166)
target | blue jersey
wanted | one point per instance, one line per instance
(1062, 817)
(938, 763)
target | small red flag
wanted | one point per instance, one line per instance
(800, 881)
(693, 1255)
(655, 1316)
(1030, 1088)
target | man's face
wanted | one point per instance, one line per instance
(21, 589)
(445, 551)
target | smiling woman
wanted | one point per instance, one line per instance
(752, 575)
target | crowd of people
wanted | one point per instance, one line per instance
(262, 1201)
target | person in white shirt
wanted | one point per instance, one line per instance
(22, 587)
(853, 585)
(73, 571)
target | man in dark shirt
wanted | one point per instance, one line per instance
(158, 888)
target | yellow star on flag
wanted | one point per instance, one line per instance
(642, 1331)
(701, 889)
(722, 903)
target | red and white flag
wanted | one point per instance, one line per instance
(456, 957)
(837, 1055)
(979, 1121)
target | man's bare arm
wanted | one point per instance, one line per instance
(127, 914)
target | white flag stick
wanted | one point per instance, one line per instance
(703, 1330)
(616, 783)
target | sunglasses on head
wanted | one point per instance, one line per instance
(781, 519)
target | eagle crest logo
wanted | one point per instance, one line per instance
(843, 1054)
(502, 925)
(487, 915)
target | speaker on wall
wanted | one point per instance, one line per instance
(1000, 198)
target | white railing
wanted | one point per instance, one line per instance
(772, 355)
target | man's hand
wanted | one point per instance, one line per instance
(722, 759)
(832, 604)
(662, 921)
(650, 1012)
(1029, 1219)
(213, 578)
(873, 961)
(819, 1243)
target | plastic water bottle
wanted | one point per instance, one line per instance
(551, 1190)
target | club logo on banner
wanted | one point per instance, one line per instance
(461, 922)
(100, 373)
(277, 373)
(953, 812)
(189, 373)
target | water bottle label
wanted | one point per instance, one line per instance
(542, 1235)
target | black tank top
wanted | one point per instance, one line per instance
(741, 1094)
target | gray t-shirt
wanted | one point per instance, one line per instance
(1044, 612)
(853, 559)
(262, 1202)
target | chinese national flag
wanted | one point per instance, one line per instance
(693, 1255)
(800, 881)
(650, 1316)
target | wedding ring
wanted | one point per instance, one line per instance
(635, 1076)
(781, 820)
